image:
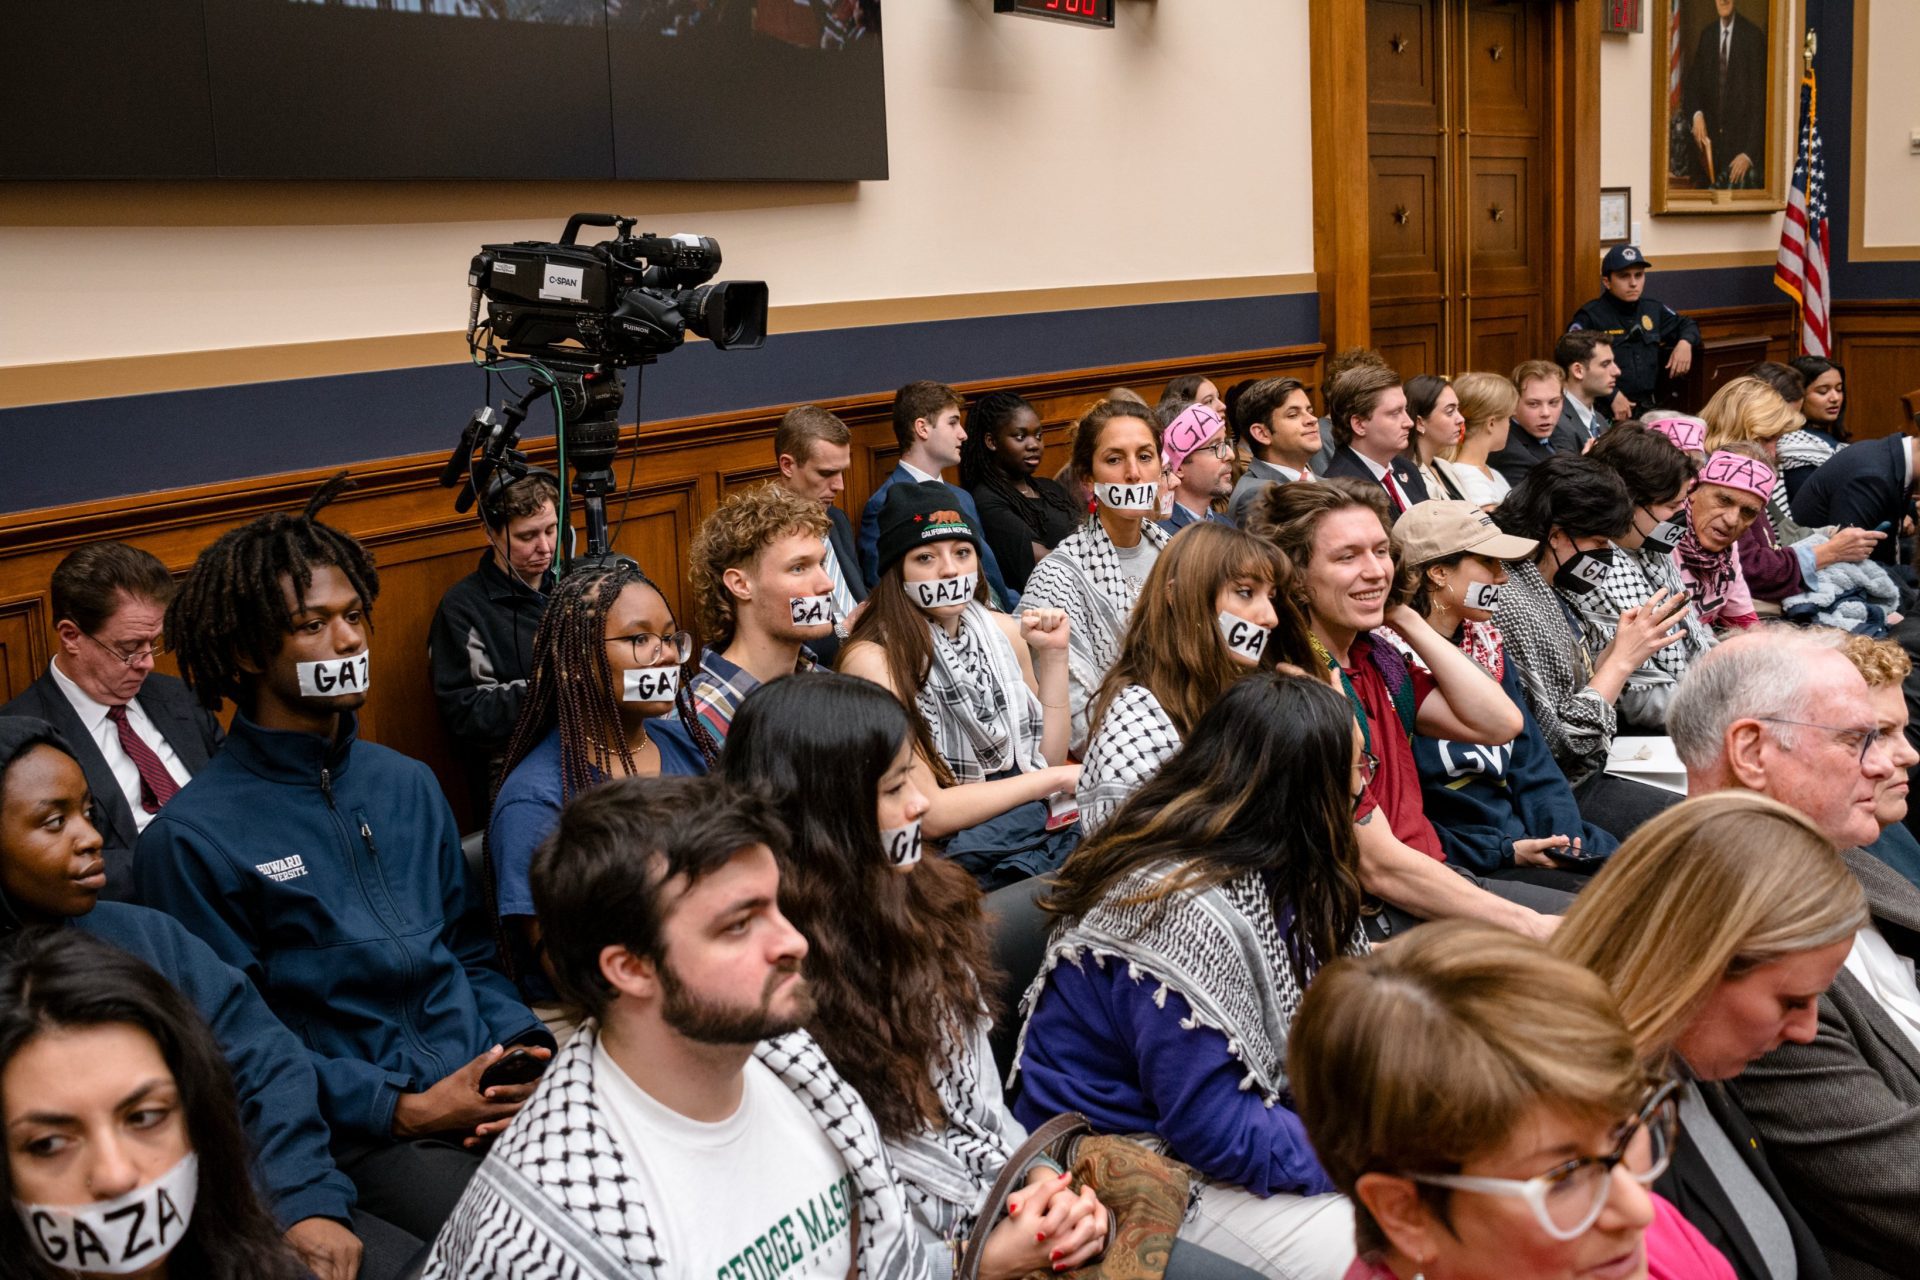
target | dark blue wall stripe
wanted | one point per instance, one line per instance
(90, 449)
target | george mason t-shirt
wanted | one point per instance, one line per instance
(761, 1195)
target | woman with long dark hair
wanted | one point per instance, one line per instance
(124, 1151)
(1212, 612)
(1023, 514)
(1438, 427)
(900, 984)
(1206, 905)
(1096, 574)
(609, 697)
(1824, 431)
(986, 693)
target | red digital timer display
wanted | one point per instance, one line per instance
(1092, 13)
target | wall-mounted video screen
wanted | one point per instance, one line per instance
(724, 90)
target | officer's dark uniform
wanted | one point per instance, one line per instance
(1643, 333)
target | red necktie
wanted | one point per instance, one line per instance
(1393, 494)
(156, 784)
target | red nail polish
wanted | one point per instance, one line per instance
(1039, 1237)
(1054, 1256)
(1013, 1206)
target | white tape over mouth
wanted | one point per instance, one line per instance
(332, 678)
(1244, 638)
(1481, 595)
(1129, 497)
(651, 684)
(937, 593)
(811, 611)
(902, 845)
(120, 1236)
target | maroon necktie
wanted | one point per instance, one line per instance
(156, 784)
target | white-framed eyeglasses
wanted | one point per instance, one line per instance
(1569, 1198)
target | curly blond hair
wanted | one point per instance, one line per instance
(734, 535)
(1879, 662)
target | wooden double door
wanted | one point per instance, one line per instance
(1460, 137)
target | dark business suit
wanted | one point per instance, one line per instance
(1694, 1190)
(1863, 486)
(193, 734)
(847, 552)
(1523, 452)
(1736, 108)
(1346, 463)
(1841, 1116)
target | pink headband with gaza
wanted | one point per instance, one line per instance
(1184, 436)
(1736, 472)
(1689, 434)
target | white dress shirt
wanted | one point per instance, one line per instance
(919, 476)
(1888, 978)
(1385, 476)
(1587, 416)
(106, 736)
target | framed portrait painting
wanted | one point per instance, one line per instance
(1724, 91)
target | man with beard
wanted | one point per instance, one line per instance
(688, 1128)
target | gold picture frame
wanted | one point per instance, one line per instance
(1723, 110)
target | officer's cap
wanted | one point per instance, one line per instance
(1621, 257)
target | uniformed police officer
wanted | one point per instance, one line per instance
(1645, 333)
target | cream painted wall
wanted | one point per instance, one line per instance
(1024, 155)
(1892, 194)
(1626, 160)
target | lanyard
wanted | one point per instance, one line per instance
(1359, 711)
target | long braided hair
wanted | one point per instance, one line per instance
(991, 413)
(570, 684)
(231, 606)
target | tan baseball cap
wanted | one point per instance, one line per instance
(1436, 529)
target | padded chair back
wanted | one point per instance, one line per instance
(1017, 929)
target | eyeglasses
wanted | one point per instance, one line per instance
(1845, 737)
(1568, 1199)
(151, 651)
(1221, 449)
(647, 647)
(1369, 766)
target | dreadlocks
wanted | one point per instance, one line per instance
(571, 685)
(990, 413)
(231, 605)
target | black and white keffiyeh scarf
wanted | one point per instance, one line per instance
(948, 1172)
(1083, 577)
(983, 717)
(556, 1198)
(1133, 739)
(1221, 949)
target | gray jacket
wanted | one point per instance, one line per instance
(1841, 1116)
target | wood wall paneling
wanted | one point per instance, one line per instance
(671, 474)
(1878, 343)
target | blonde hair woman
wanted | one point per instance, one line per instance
(1748, 409)
(1718, 926)
(1487, 402)
(1509, 1128)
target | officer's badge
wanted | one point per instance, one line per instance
(1646, 322)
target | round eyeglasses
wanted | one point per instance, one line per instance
(648, 647)
(1568, 1199)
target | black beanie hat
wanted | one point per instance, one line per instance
(914, 514)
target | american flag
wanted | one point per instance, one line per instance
(1801, 270)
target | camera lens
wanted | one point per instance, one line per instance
(731, 314)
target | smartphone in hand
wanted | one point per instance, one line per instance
(516, 1066)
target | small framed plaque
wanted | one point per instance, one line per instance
(1616, 215)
